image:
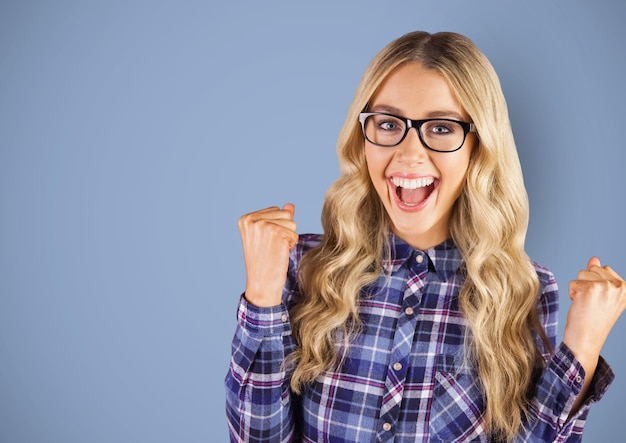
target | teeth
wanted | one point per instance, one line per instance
(413, 183)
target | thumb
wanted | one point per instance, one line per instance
(290, 207)
(593, 261)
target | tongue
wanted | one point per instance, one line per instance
(412, 196)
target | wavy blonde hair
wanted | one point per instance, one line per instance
(488, 225)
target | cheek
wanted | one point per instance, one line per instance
(456, 169)
(376, 168)
(371, 163)
(377, 163)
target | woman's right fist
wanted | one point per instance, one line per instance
(267, 236)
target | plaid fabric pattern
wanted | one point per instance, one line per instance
(404, 378)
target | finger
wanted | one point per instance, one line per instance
(593, 261)
(600, 273)
(293, 240)
(573, 289)
(251, 217)
(591, 275)
(612, 272)
(265, 210)
(286, 229)
(581, 287)
(284, 222)
(286, 212)
(290, 207)
(273, 212)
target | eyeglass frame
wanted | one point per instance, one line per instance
(417, 124)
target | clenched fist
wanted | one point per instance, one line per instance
(267, 236)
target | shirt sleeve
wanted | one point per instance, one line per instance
(257, 385)
(260, 406)
(561, 381)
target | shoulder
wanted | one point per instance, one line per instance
(547, 281)
(548, 291)
(547, 306)
(305, 243)
(308, 241)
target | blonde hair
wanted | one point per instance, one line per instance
(488, 225)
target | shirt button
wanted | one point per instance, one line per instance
(387, 426)
(419, 258)
(408, 311)
(283, 318)
(578, 379)
(397, 366)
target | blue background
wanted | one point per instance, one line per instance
(133, 134)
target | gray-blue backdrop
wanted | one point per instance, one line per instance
(133, 134)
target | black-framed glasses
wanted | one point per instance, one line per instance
(437, 134)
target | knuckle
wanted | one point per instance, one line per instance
(264, 224)
(247, 217)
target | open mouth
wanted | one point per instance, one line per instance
(413, 191)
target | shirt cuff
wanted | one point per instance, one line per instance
(567, 368)
(263, 322)
(601, 380)
(565, 365)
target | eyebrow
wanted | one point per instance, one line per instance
(433, 114)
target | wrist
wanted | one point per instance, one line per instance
(586, 354)
(260, 299)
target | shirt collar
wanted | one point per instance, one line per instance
(445, 258)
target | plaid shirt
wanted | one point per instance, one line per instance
(404, 378)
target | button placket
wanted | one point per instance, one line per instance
(401, 347)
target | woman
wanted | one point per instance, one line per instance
(417, 315)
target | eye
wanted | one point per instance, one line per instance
(440, 127)
(385, 123)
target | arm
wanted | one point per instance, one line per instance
(559, 407)
(258, 398)
(598, 299)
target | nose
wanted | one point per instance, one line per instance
(412, 151)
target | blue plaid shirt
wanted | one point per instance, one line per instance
(404, 378)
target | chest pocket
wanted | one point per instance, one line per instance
(457, 409)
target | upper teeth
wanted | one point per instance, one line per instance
(413, 183)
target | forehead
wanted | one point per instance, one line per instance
(416, 92)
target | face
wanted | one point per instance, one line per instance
(417, 186)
